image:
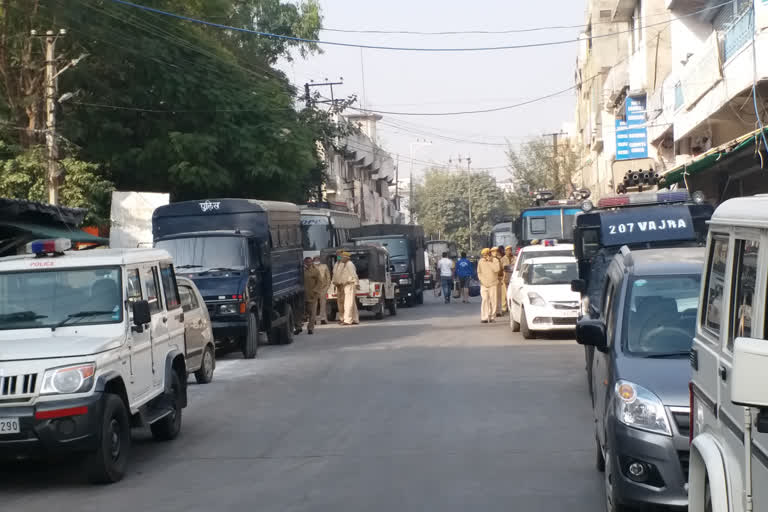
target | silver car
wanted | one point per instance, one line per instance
(198, 336)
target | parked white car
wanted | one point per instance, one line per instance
(199, 346)
(525, 254)
(544, 301)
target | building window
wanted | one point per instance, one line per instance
(734, 24)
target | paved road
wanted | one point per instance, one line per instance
(430, 410)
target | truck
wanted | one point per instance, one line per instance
(655, 219)
(548, 222)
(405, 244)
(130, 218)
(245, 256)
(322, 228)
(503, 234)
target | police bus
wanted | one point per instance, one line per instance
(637, 220)
(552, 221)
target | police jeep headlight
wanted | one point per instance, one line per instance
(227, 309)
(536, 300)
(639, 408)
(69, 379)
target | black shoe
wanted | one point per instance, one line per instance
(483, 321)
(310, 331)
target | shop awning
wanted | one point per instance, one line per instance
(715, 156)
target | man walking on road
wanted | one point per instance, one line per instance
(464, 273)
(311, 292)
(339, 289)
(345, 279)
(445, 266)
(325, 281)
(506, 264)
(488, 273)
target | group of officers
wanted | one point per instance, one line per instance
(494, 270)
(317, 279)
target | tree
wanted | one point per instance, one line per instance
(535, 167)
(441, 205)
(166, 105)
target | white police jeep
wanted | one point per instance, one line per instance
(91, 344)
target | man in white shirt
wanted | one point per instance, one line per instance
(445, 266)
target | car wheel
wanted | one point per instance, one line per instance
(168, 427)
(611, 504)
(205, 374)
(514, 324)
(707, 497)
(392, 306)
(599, 459)
(107, 464)
(251, 340)
(527, 333)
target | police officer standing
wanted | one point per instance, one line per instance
(311, 292)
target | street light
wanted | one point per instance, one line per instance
(410, 173)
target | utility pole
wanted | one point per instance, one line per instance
(397, 183)
(51, 89)
(555, 160)
(311, 83)
(50, 116)
(469, 199)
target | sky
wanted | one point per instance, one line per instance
(449, 82)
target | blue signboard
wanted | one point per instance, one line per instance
(640, 225)
(631, 133)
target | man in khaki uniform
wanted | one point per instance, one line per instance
(339, 289)
(325, 282)
(311, 292)
(345, 277)
(496, 253)
(507, 261)
(488, 274)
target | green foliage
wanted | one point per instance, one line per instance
(23, 174)
(534, 167)
(166, 105)
(441, 205)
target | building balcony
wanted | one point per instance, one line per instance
(616, 83)
(623, 10)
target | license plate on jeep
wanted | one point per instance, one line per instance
(9, 426)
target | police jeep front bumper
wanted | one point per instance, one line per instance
(51, 428)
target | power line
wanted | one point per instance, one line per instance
(480, 111)
(398, 48)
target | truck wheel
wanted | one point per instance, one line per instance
(287, 334)
(420, 297)
(392, 306)
(250, 343)
(168, 428)
(205, 374)
(527, 334)
(380, 310)
(107, 464)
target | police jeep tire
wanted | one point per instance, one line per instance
(392, 306)
(379, 311)
(107, 464)
(168, 427)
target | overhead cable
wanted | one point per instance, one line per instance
(399, 48)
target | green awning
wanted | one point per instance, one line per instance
(712, 157)
(47, 231)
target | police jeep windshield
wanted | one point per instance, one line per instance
(54, 298)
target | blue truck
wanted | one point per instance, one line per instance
(245, 256)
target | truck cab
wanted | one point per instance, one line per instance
(405, 245)
(729, 361)
(91, 344)
(244, 256)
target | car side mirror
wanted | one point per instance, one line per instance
(748, 377)
(591, 332)
(141, 313)
(578, 286)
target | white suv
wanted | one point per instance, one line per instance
(91, 344)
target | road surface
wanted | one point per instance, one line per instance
(429, 410)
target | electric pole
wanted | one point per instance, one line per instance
(555, 162)
(311, 83)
